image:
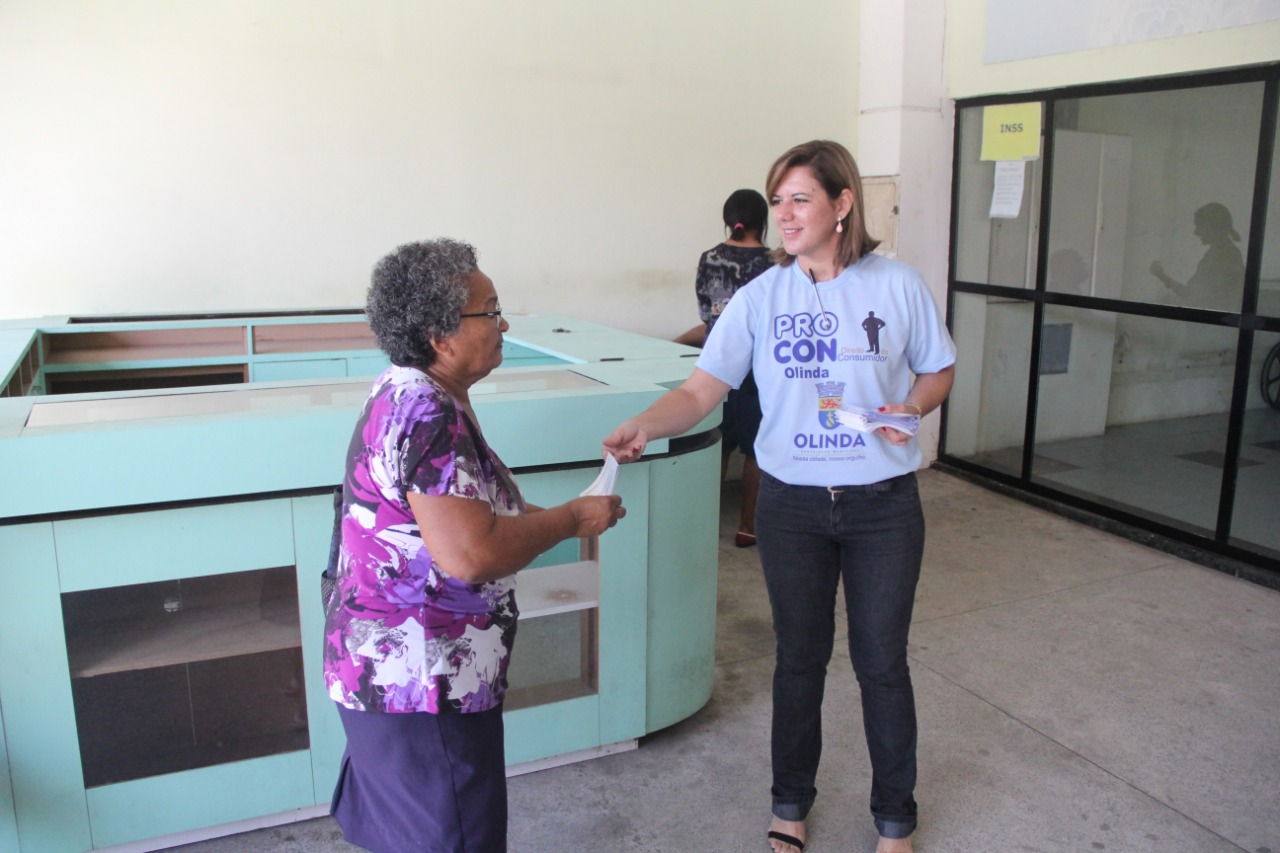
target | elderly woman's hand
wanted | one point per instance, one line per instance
(472, 544)
(596, 514)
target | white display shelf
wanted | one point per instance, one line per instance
(558, 589)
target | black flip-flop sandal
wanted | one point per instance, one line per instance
(786, 839)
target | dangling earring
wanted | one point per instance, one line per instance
(839, 227)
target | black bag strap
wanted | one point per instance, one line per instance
(330, 574)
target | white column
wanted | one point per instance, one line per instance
(905, 140)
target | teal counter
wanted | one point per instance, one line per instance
(165, 517)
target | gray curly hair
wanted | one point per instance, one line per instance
(416, 295)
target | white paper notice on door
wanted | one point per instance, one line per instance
(1006, 195)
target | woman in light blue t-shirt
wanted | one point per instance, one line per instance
(831, 325)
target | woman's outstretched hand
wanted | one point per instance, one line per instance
(673, 413)
(626, 443)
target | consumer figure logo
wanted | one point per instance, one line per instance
(873, 325)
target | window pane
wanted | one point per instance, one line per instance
(1269, 284)
(992, 251)
(1152, 194)
(1253, 520)
(1138, 418)
(1089, 215)
(986, 415)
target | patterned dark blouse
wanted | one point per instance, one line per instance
(721, 272)
(400, 634)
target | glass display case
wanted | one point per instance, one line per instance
(180, 674)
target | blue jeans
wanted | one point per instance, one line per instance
(873, 537)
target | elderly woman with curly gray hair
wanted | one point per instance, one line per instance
(419, 630)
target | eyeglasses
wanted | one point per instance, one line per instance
(496, 315)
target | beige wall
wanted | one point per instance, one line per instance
(191, 156)
(969, 76)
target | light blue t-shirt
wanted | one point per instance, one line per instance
(879, 327)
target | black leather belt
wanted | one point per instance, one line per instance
(882, 486)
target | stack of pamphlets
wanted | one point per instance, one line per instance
(604, 482)
(869, 420)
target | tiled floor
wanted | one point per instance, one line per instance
(1076, 692)
(1170, 471)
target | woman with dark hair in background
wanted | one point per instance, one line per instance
(834, 505)
(420, 625)
(722, 271)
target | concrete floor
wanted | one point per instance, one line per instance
(1076, 692)
(1169, 471)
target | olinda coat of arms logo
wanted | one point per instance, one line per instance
(830, 395)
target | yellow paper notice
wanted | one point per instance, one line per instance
(1011, 132)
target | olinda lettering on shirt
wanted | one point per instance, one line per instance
(837, 441)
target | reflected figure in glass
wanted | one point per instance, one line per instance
(1069, 273)
(1219, 277)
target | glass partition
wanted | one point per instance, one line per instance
(1146, 193)
(1138, 418)
(1254, 517)
(1152, 193)
(1269, 277)
(992, 249)
(986, 415)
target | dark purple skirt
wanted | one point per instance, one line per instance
(423, 783)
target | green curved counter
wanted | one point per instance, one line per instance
(165, 515)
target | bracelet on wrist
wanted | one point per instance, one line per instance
(919, 413)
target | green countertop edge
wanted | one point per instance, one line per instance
(75, 468)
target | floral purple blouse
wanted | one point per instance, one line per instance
(400, 634)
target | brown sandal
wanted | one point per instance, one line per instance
(744, 539)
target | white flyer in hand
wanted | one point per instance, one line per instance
(603, 484)
(869, 420)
